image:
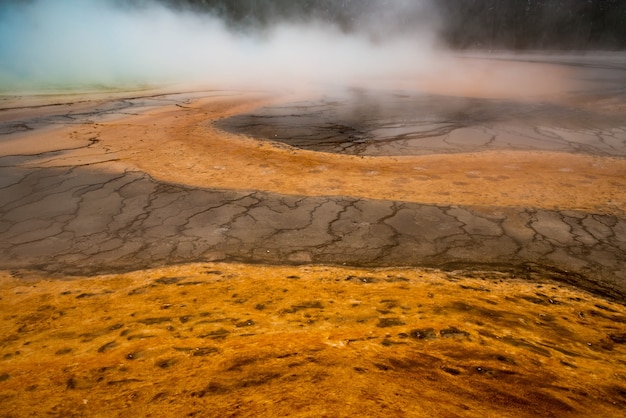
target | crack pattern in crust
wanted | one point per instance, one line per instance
(79, 220)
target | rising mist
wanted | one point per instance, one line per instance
(109, 43)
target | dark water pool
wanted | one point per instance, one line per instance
(367, 122)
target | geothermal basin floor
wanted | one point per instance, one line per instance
(157, 261)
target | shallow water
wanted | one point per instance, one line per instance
(586, 117)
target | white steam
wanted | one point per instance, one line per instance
(87, 42)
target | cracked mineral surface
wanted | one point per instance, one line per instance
(478, 246)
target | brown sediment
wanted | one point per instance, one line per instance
(240, 199)
(220, 339)
(181, 145)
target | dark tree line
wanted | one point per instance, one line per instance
(347, 14)
(511, 24)
(535, 24)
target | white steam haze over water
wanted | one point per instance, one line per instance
(88, 42)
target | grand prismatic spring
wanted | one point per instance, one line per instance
(435, 246)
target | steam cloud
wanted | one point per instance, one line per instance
(90, 42)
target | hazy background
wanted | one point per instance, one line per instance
(263, 43)
(509, 24)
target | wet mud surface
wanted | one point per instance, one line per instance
(382, 123)
(518, 205)
(81, 221)
(587, 116)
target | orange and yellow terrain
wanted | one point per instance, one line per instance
(243, 340)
